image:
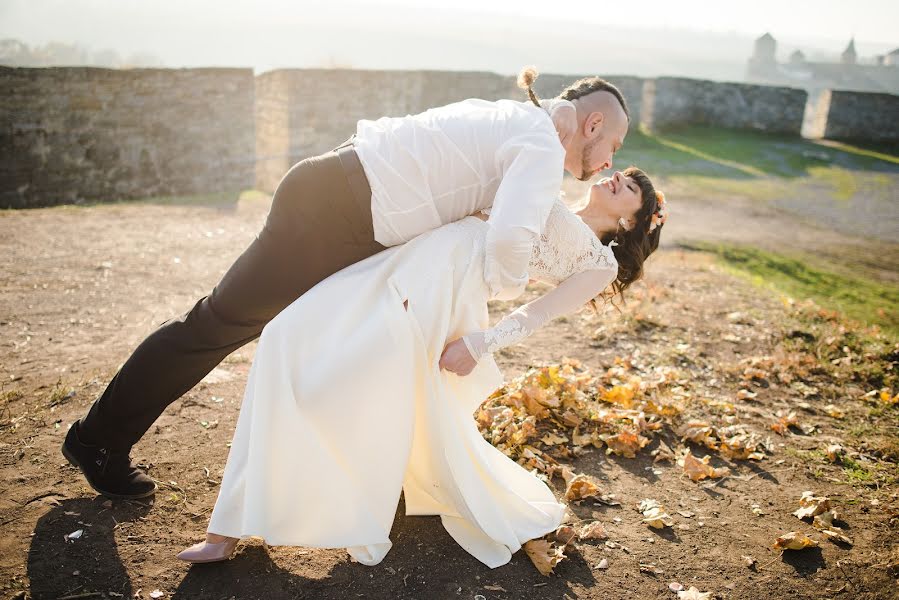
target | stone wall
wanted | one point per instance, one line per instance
(74, 134)
(860, 116)
(673, 101)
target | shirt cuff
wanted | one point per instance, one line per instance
(475, 355)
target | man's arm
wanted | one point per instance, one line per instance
(532, 166)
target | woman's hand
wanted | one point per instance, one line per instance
(457, 359)
(565, 119)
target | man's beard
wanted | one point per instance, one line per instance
(586, 174)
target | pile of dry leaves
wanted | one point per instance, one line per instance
(556, 412)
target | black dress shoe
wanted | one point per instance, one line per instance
(112, 474)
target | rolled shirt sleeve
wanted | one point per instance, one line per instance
(532, 165)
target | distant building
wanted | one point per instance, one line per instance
(875, 74)
(891, 59)
(849, 55)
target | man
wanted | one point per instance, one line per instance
(397, 178)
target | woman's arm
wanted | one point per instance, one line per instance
(460, 356)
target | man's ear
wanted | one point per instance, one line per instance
(593, 124)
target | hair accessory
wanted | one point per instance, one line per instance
(661, 214)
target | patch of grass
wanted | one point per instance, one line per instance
(860, 430)
(859, 298)
(704, 186)
(856, 473)
(843, 182)
(882, 152)
(60, 394)
(9, 396)
(811, 456)
(757, 153)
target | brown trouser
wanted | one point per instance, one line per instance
(320, 222)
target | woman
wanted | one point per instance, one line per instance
(344, 409)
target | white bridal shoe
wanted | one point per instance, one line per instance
(206, 552)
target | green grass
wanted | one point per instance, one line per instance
(726, 153)
(859, 298)
(857, 474)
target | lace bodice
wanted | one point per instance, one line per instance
(568, 255)
(567, 246)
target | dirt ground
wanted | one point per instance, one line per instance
(81, 286)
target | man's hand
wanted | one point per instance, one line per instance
(457, 358)
(565, 119)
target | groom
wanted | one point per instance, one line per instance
(397, 178)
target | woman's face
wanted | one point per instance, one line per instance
(616, 197)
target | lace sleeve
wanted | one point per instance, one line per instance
(567, 297)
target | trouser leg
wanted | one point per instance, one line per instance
(316, 227)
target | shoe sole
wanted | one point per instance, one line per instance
(206, 561)
(76, 464)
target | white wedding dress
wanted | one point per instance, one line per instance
(345, 405)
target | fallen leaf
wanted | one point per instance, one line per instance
(563, 536)
(623, 395)
(794, 541)
(626, 443)
(834, 411)
(811, 505)
(825, 524)
(835, 452)
(784, 422)
(663, 452)
(580, 487)
(654, 514)
(693, 594)
(544, 555)
(697, 469)
(592, 531)
(746, 395)
(698, 432)
(552, 439)
(567, 474)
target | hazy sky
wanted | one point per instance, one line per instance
(868, 20)
(427, 33)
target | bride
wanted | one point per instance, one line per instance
(353, 395)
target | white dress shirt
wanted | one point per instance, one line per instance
(442, 165)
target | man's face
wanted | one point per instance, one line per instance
(601, 134)
(598, 152)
